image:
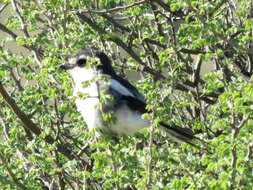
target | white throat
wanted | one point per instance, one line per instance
(82, 75)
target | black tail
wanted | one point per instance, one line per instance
(180, 134)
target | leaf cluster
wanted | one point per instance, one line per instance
(194, 64)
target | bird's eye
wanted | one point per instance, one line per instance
(81, 62)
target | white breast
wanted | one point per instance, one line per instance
(89, 112)
(127, 121)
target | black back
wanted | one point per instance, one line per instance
(106, 68)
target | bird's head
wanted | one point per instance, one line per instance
(87, 63)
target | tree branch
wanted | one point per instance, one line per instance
(113, 9)
(120, 43)
(5, 125)
(17, 81)
(196, 75)
(167, 8)
(3, 7)
(126, 29)
(191, 51)
(6, 30)
(235, 132)
(136, 57)
(34, 50)
(32, 126)
(23, 25)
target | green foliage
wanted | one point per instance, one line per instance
(171, 44)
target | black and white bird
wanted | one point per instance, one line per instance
(128, 104)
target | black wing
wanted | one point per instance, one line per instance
(130, 88)
(128, 94)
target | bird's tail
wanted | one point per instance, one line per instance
(180, 134)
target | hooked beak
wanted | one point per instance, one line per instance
(66, 66)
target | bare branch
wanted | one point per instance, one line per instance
(5, 125)
(160, 28)
(24, 26)
(235, 132)
(191, 51)
(34, 50)
(126, 29)
(236, 129)
(250, 54)
(113, 9)
(197, 72)
(3, 7)
(250, 151)
(120, 43)
(6, 30)
(150, 159)
(14, 37)
(167, 8)
(17, 81)
(147, 69)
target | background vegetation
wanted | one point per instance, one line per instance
(44, 144)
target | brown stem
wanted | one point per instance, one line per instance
(6, 30)
(114, 9)
(235, 132)
(3, 7)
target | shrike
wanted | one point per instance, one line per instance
(93, 77)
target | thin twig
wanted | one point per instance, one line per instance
(159, 25)
(150, 161)
(120, 43)
(23, 25)
(113, 9)
(196, 76)
(235, 132)
(191, 51)
(5, 125)
(34, 50)
(133, 33)
(3, 7)
(17, 81)
(137, 58)
(250, 151)
(166, 7)
(115, 168)
(6, 30)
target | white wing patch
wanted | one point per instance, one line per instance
(120, 88)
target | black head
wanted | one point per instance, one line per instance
(82, 57)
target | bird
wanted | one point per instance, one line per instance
(95, 81)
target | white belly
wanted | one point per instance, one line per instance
(127, 122)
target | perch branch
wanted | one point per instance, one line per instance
(113, 9)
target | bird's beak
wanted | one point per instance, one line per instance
(66, 66)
